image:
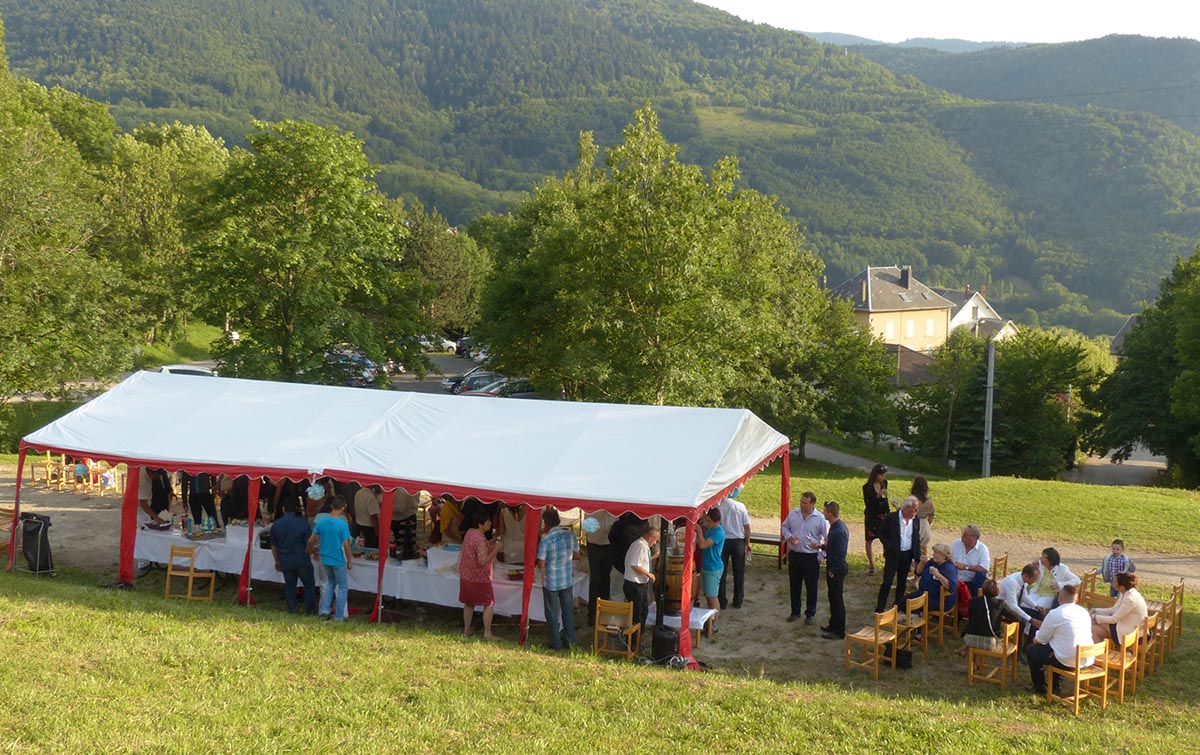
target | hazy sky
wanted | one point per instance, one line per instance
(1013, 21)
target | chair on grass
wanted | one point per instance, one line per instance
(1086, 680)
(1166, 630)
(7, 531)
(1122, 665)
(615, 632)
(1177, 622)
(996, 666)
(877, 641)
(999, 567)
(913, 622)
(181, 563)
(1148, 646)
(939, 620)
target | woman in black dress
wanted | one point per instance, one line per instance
(875, 508)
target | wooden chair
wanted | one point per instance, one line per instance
(1166, 630)
(1177, 623)
(1147, 646)
(7, 531)
(939, 620)
(1122, 662)
(187, 555)
(913, 621)
(1087, 681)
(615, 632)
(996, 666)
(1087, 587)
(999, 567)
(873, 640)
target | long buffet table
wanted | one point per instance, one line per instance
(407, 580)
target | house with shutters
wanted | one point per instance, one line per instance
(972, 311)
(897, 308)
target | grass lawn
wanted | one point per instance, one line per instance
(1159, 519)
(193, 348)
(95, 670)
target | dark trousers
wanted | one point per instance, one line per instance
(895, 575)
(405, 532)
(834, 586)
(300, 571)
(640, 596)
(734, 558)
(599, 576)
(202, 504)
(1039, 657)
(804, 572)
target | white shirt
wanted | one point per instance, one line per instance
(1064, 629)
(1042, 594)
(906, 532)
(977, 556)
(734, 518)
(1014, 598)
(637, 555)
(600, 536)
(810, 530)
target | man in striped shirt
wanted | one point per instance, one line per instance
(554, 555)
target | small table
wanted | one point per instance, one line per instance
(699, 618)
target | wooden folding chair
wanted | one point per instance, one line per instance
(873, 640)
(1122, 662)
(1177, 623)
(1148, 646)
(995, 666)
(1166, 630)
(1086, 680)
(7, 531)
(615, 632)
(187, 555)
(939, 620)
(1087, 586)
(913, 621)
(999, 567)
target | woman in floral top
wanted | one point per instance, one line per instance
(475, 573)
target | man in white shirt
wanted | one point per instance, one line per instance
(900, 535)
(1064, 629)
(1014, 598)
(972, 558)
(639, 577)
(736, 521)
(804, 532)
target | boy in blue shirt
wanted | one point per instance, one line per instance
(711, 541)
(332, 535)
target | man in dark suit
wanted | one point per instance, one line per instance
(836, 546)
(901, 537)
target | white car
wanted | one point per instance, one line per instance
(187, 369)
(430, 343)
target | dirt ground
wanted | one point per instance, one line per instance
(755, 640)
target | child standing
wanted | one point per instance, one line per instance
(1114, 564)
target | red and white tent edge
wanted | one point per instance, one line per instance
(673, 461)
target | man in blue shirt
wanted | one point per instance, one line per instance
(836, 545)
(555, 552)
(804, 532)
(332, 535)
(711, 541)
(289, 545)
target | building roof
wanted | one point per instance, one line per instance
(912, 367)
(883, 289)
(990, 327)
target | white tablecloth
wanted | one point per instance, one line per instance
(405, 580)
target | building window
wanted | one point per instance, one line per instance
(889, 330)
(910, 328)
(929, 327)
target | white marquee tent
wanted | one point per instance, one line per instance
(673, 461)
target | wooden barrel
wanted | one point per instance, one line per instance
(674, 598)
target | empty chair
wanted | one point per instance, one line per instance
(877, 641)
(911, 624)
(615, 632)
(1147, 646)
(1121, 663)
(999, 567)
(181, 564)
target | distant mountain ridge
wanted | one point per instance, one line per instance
(1069, 215)
(929, 43)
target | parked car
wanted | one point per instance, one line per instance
(463, 347)
(450, 383)
(436, 343)
(480, 356)
(477, 381)
(351, 369)
(508, 388)
(188, 369)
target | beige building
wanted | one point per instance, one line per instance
(897, 308)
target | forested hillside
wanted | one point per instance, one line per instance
(1071, 216)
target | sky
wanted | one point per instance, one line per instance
(1012, 21)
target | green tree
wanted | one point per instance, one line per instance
(299, 253)
(1152, 396)
(452, 268)
(154, 180)
(641, 281)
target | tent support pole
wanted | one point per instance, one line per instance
(12, 533)
(685, 596)
(129, 523)
(785, 496)
(245, 588)
(533, 519)
(385, 527)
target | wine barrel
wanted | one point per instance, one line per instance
(674, 598)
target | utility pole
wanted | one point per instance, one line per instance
(987, 410)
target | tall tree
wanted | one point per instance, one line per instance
(648, 281)
(298, 251)
(452, 269)
(1153, 395)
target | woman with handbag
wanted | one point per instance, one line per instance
(984, 628)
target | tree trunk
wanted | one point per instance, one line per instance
(800, 455)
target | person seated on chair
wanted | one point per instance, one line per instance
(935, 573)
(984, 627)
(1065, 629)
(1053, 577)
(1124, 616)
(971, 557)
(1015, 603)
